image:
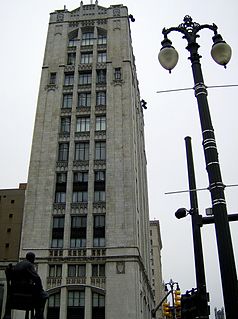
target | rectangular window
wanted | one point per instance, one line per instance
(100, 176)
(100, 151)
(54, 301)
(102, 57)
(53, 311)
(78, 231)
(98, 270)
(52, 80)
(55, 270)
(76, 302)
(86, 57)
(57, 232)
(98, 300)
(101, 123)
(84, 99)
(101, 76)
(61, 178)
(71, 58)
(80, 197)
(69, 79)
(80, 177)
(60, 197)
(83, 124)
(63, 152)
(87, 38)
(117, 74)
(85, 78)
(101, 98)
(98, 306)
(102, 39)
(99, 196)
(76, 270)
(72, 42)
(76, 299)
(99, 231)
(81, 151)
(65, 124)
(67, 100)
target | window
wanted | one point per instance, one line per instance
(102, 57)
(86, 57)
(102, 39)
(72, 42)
(99, 231)
(98, 306)
(57, 232)
(76, 270)
(78, 221)
(55, 270)
(83, 124)
(71, 58)
(101, 76)
(99, 196)
(65, 124)
(101, 123)
(54, 300)
(80, 197)
(67, 100)
(101, 98)
(61, 178)
(52, 80)
(98, 300)
(100, 150)
(117, 74)
(81, 177)
(85, 78)
(99, 186)
(76, 302)
(98, 270)
(53, 306)
(63, 152)
(82, 151)
(73, 37)
(76, 298)
(87, 38)
(84, 100)
(69, 79)
(60, 197)
(100, 176)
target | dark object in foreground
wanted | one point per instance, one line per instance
(21, 295)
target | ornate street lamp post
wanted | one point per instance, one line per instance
(221, 53)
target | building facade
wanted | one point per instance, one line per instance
(11, 213)
(86, 211)
(156, 267)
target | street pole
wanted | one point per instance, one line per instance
(189, 29)
(196, 230)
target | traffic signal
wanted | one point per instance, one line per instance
(177, 303)
(166, 309)
(177, 298)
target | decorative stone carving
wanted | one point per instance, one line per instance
(60, 17)
(116, 12)
(120, 267)
(116, 24)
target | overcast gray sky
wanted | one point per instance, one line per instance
(169, 117)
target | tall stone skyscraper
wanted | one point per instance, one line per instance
(86, 211)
